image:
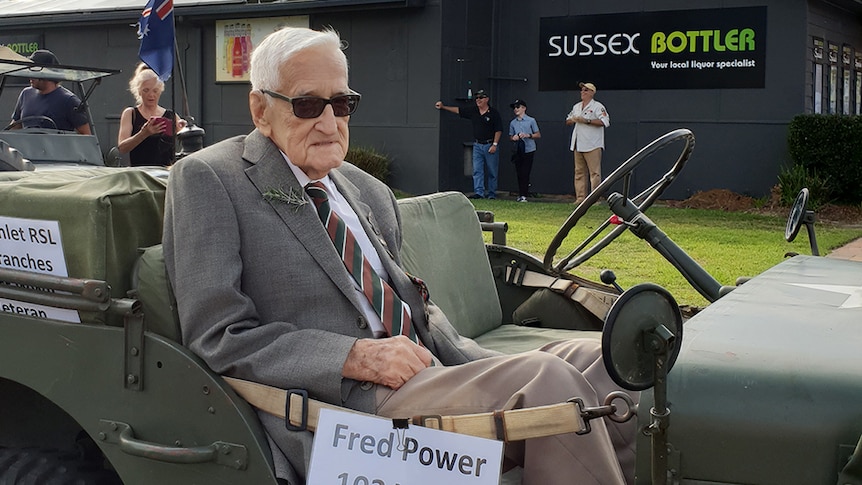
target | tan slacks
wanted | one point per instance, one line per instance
(591, 162)
(553, 374)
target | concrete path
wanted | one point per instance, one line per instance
(851, 251)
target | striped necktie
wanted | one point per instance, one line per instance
(389, 307)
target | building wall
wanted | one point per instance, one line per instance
(403, 59)
(740, 132)
(836, 25)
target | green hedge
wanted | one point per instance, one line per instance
(370, 160)
(829, 147)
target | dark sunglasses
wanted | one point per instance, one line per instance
(313, 106)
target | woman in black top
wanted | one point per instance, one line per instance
(145, 129)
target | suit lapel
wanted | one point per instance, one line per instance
(269, 171)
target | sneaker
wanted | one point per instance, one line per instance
(522, 199)
(476, 196)
(492, 196)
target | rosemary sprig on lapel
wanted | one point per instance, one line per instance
(295, 198)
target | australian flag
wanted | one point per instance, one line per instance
(156, 31)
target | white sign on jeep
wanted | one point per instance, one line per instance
(33, 245)
(355, 449)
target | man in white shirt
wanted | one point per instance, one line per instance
(588, 140)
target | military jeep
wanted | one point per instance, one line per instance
(96, 387)
(38, 143)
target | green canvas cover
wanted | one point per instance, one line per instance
(104, 214)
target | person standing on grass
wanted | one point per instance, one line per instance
(590, 119)
(487, 129)
(523, 130)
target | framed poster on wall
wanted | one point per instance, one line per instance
(236, 38)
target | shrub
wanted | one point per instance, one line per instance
(831, 146)
(792, 179)
(370, 160)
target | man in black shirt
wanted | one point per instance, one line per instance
(487, 128)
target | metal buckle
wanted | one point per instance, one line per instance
(608, 410)
(304, 423)
(516, 273)
(423, 420)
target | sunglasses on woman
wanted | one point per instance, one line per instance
(312, 106)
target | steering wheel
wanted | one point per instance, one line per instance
(39, 118)
(644, 200)
(797, 214)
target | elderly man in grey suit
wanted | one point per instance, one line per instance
(264, 295)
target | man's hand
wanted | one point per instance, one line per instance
(389, 361)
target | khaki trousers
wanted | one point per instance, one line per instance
(591, 162)
(553, 374)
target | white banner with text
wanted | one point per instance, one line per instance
(355, 449)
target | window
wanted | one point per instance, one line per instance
(817, 85)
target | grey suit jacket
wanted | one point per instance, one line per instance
(262, 293)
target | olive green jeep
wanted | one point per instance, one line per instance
(96, 386)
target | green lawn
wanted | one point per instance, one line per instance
(726, 244)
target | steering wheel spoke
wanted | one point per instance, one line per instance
(644, 200)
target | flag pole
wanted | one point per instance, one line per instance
(186, 110)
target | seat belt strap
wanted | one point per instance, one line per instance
(596, 302)
(511, 425)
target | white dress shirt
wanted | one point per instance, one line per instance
(339, 205)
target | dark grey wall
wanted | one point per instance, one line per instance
(394, 60)
(740, 132)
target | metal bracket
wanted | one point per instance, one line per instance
(674, 462)
(133, 370)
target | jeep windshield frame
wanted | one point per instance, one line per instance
(57, 72)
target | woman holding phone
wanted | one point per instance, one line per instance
(146, 129)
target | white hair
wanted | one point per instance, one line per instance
(143, 74)
(280, 46)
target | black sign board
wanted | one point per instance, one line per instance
(722, 48)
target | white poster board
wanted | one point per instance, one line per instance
(354, 449)
(33, 245)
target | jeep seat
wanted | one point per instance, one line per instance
(443, 245)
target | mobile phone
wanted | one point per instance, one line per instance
(165, 123)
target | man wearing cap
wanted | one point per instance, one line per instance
(588, 140)
(487, 129)
(523, 130)
(45, 98)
